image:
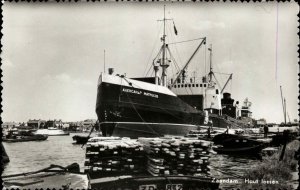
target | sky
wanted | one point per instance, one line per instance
(53, 53)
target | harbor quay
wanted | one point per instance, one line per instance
(34, 124)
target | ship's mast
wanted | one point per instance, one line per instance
(163, 63)
(210, 74)
(283, 106)
(284, 111)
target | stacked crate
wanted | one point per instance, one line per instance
(176, 156)
(109, 156)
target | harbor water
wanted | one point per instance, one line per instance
(35, 155)
(60, 150)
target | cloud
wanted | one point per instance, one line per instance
(64, 78)
(207, 25)
(83, 82)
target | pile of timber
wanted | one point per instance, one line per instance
(176, 156)
(109, 156)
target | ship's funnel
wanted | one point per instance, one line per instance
(226, 95)
(110, 71)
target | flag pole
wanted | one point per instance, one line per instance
(104, 61)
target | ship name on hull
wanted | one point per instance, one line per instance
(139, 92)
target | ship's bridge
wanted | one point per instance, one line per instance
(194, 86)
(200, 94)
(189, 88)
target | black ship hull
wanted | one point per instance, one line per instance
(145, 129)
(132, 108)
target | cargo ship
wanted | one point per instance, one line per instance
(134, 108)
(155, 106)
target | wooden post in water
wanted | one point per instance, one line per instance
(285, 139)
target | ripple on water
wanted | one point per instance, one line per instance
(31, 156)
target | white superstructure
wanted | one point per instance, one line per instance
(51, 131)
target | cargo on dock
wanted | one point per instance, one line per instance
(106, 156)
(135, 163)
(176, 156)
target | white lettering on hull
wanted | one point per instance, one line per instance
(139, 92)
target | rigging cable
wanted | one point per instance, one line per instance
(179, 58)
(142, 117)
(187, 41)
(172, 57)
(153, 61)
(222, 73)
(217, 80)
(136, 109)
(218, 69)
(169, 32)
(176, 49)
(179, 70)
(155, 42)
(231, 85)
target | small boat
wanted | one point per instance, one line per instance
(79, 139)
(251, 150)
(52, 131)
(23, 136)
(26, 138)
(237, 144)
(153, 182)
